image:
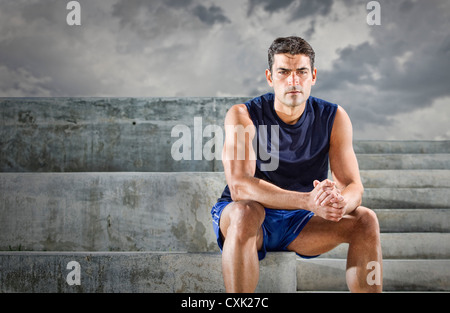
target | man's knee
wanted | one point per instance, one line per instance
(245, 217)
(366, 223)
(246, 212)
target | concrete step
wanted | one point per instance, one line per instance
(137, 134)
(123, 272)
(401, 146)
(104, 134)
(405, 178)
(108, 211)
(406, 246)
(403, 161)
(417, 220)
(406, 198)
(398, 275)
(158, 211)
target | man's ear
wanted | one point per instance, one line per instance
(314, 76)
(269, 78)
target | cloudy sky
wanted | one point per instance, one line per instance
(393, 79)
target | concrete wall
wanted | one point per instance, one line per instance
(104, 134)
(135, 134)
(171, 211)
(134, 272)
(108, 211)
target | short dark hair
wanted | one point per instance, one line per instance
(293, 45)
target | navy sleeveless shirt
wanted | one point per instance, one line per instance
(290, 156)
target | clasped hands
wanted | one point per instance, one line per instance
(326, 200)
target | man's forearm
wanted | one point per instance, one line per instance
(353, 194)
(268, 194)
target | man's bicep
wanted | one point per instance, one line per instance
(343, 161)
(238, 157)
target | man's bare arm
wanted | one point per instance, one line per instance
(343, 162)
(239, 170)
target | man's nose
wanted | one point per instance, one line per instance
(293, 79)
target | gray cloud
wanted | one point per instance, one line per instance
(402, 67)
(307, 8)
(30, 57)
(128, 10)
(269, 5)
(298, 9)
(211, 15)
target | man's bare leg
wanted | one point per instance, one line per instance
(364, 247)
(360, 230)
(240, 225)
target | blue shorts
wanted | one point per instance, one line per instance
(280, 227)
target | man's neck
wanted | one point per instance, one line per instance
(288, 114)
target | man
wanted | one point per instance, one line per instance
(292, 206)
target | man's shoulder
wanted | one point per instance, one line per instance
(260, 104)
(322, 103)
(260, 100)
(239, 108)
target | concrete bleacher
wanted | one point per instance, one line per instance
(94, 181)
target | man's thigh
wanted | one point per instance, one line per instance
(246, 217)
(320, 235)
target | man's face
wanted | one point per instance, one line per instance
(291, 78)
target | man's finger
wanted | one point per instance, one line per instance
(334, 214)
(321, 194)
(326, 199)
(337, 198)
(331, 196)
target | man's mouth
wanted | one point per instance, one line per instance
(293, 90)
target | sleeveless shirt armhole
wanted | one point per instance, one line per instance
(331, 123)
